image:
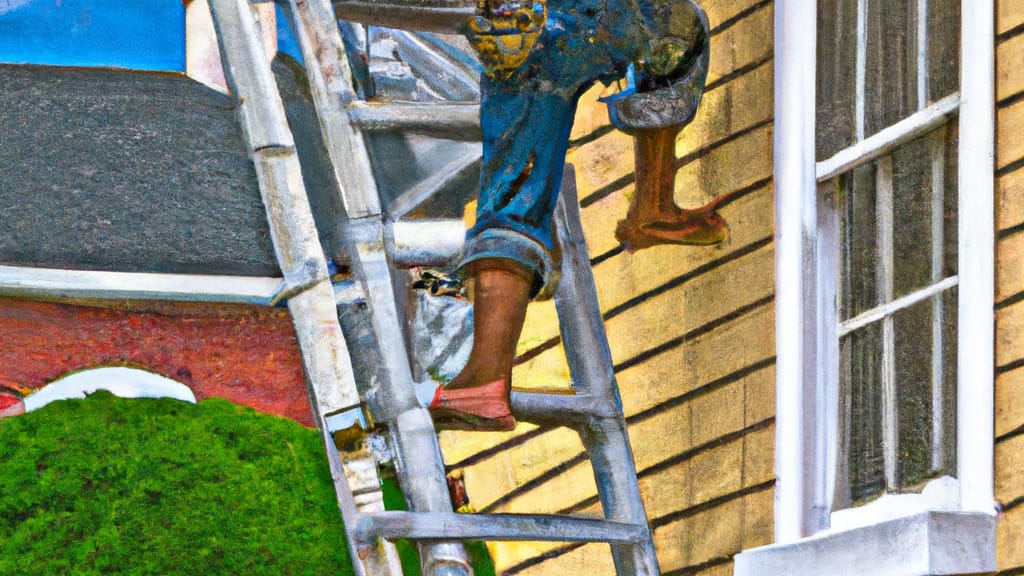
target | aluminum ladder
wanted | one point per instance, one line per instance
(594, 411)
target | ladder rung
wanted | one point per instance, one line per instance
(560, 408)
(451, 526)
(434, 15)
(426, 242)
(450, 121)
(431, 185)
(452, 78)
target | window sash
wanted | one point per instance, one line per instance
(805, 403)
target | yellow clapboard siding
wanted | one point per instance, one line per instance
(681, 369)
(741, 44)
(1009, 72)
(671, 428)
(716, 414)
(706, 475)
(758, 520)
(592, 560)
(592, 115)
(1009, 266)
(1009, 14)
(722, 10)
(726, 168)
(571, 486)
(759, 457)
(1010, 469)
(717, 472)
(540, 326)
(1010, 199)
(509, 554)
(1009, 402)
(1010, 135)
(1009, 536)
(740, 103)
(548, 370)
(668, 491)
(457, 446)
(710, 534)
(601, 162)
(1010, 334)
(692, 304)
(517, 465)
(759, 399)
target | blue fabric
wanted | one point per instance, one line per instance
(526, 120)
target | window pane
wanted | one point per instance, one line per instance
(858, 237)
(913, 363)
(891, 73)
(926, 390)
(943, 48)
(924, 212)
(946, 463)
(861, 388)
(950, 225)
(836, 76)
(912, 215)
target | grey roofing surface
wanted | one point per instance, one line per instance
(136, 171)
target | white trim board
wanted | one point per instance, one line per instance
(52, 282)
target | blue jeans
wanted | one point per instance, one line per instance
(526, 120)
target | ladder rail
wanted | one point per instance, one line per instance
(292, 227)
(391, 397)
(590, 362)
(311, 297)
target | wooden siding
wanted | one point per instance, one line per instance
(1009, 401)
(691, 333)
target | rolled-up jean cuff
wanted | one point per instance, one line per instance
(511, 245)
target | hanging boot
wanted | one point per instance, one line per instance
(653, 217)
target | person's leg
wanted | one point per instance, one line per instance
(653, 216)
(500, 291)
(509, 252)
(526, 119)
(478, 398)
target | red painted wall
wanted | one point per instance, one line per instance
(246, 354)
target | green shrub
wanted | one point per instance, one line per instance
(107, 485)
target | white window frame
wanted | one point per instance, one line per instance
(924, 527)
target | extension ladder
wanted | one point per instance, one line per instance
(594, 411)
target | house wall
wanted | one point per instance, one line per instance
(246, 354)
(1009, 422)
(691, 334)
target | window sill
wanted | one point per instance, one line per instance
(925, 544)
